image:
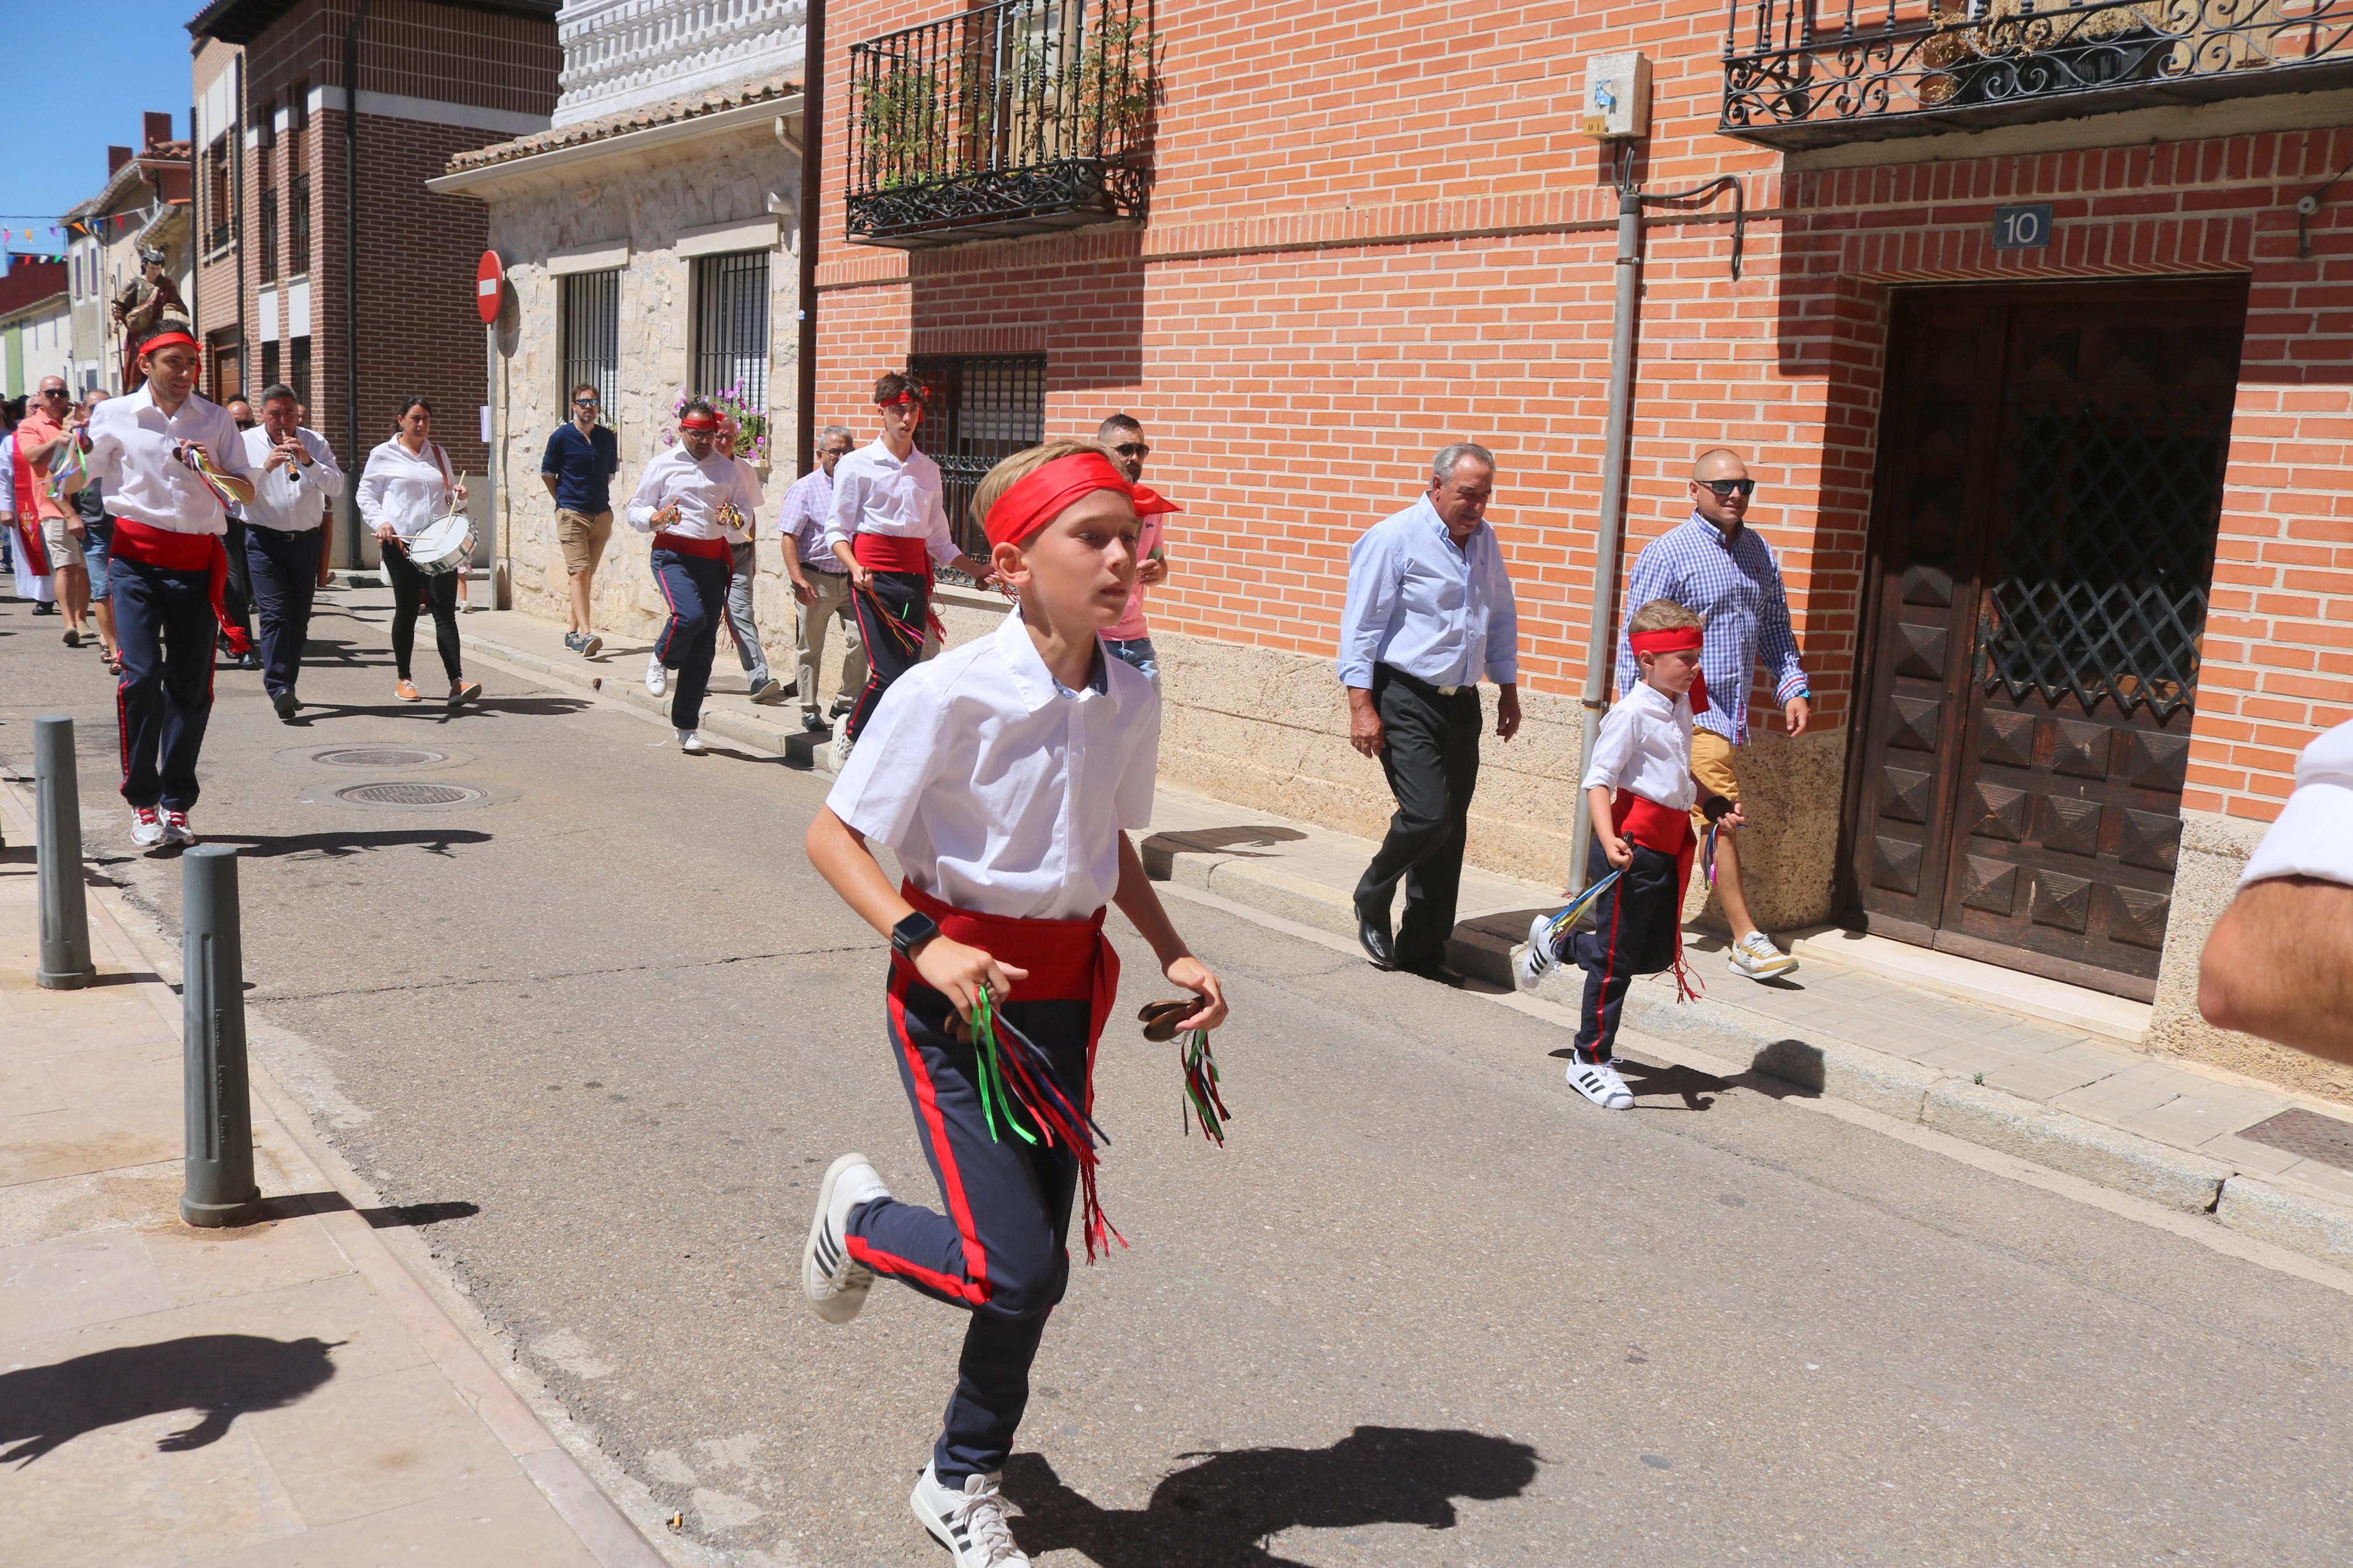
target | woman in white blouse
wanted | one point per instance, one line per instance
(406, 487)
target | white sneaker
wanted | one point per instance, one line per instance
(835, 1285)
(691, 742)
(969, 1524)
(656, 677)
(1539, 960)
(840, 753)
(146, 826)
(1756, 956)
(1599, 1082)
(177, 829)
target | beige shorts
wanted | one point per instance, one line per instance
(1712, 765)
(65, 549)
(582, 537)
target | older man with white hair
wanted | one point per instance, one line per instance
(1429, 611)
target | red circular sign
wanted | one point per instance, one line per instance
(490, 287)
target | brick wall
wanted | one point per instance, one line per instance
(1376, 231)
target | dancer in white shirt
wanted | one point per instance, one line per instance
(171, 461)
(285, 544)
(685, 499)
(405, 488)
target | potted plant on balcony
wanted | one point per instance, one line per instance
(2000, 51)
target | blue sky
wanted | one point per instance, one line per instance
(76, 85)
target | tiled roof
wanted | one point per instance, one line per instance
(669, 113)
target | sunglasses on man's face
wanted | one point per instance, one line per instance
(56, 391)
(584, 402)
(1727, 489)
(1132, 449)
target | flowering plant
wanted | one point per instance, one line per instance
(731, 405)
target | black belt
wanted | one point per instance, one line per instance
(1415, 683)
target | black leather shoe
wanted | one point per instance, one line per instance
(1433, 968)
(1373, 936)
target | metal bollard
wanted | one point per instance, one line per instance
(220, 1188)
(65, 915)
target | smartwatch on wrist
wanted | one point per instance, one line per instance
(912, 933)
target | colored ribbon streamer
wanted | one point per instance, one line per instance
(194, 457)
(1202, 1102)
(1579, 906)
(1016, 1073)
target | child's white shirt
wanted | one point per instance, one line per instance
(1001, 791)
(1645, 746)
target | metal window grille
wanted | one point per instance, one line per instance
(298, 225)
(298, 370)
(592, 335)
(217, 190)
(267, 217)
(731, 326)
(980, 409)
(269, 359)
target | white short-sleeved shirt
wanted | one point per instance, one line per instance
(2314, 835)
(1002, 792)
(1645, 746)
(131, 444)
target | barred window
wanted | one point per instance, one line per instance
(269, 365)
(979, 409)
(592, 337)
(731, 326)
(298, 225)
(298, 370)
(266, 220)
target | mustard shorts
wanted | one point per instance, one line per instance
(1712, 765)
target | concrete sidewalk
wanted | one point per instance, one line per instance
(279, 1393)
(2043, 1071)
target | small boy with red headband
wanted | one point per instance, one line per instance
(1006, 776)
(1645, 836)
(890, 526)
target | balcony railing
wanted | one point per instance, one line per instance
(1015, 118)
(620, 55)
(1809, 73)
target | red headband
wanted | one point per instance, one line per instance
(1676, 639)
(902, 400)
(698, 422)
(1043, 495)
(164, 341)
(1150, 502)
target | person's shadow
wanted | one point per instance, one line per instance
(1220, 1512)
(221, 1377)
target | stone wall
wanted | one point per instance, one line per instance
(646, 200)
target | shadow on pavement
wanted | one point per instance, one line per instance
(335, 846)
(396, 1217)
(223, 1376)
(1766, 1076)
(1222, 1512)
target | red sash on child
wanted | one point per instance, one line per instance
(1068, 961)
(170, 550)
(1669, 832)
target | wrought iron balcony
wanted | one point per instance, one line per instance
(1809, 73)
(1021, 117)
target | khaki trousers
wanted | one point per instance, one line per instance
(811, 624)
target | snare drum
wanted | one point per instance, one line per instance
(443, 547)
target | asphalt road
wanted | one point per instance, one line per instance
(1427, 1306)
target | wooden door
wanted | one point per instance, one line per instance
(2042, 542)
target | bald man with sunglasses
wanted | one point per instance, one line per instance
(1716, 566)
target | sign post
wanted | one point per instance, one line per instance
(489, 298)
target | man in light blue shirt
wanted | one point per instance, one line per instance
(1430, 612)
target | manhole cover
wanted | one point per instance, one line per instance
(378, 757)
(2316, 1137)
(404, 793)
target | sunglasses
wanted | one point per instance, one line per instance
(1727, 489)
(584, 402)
(1132, 449)
(56, 392)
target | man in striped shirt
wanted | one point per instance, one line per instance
(1716, 565)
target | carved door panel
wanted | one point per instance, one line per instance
(2047, 766)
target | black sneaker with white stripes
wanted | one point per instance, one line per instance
(835, 1285)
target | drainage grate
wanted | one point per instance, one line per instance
(378, 757)
(2304, 1133)
(406, 794)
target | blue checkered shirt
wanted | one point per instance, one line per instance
(1736, 591)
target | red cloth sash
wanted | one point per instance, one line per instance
(891, 553)
(1669, 832)
(708, 548)
(1068, 961)
(28, 521)
(148, 545)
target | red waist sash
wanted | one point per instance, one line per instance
(1669, 832)
(167, 550)
(891, 553)
(708, 548)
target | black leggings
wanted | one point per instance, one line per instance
(412, 590)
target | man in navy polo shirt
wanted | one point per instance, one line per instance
(581, 459)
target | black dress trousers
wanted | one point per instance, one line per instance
(1432, 764)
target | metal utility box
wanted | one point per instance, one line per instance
(1618, 96)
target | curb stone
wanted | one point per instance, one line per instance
(2287, 1219)
(2108, 1155)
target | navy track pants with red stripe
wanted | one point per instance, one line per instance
(164, 620)
(1001, 1249)
(1633, 933)
(695, 588)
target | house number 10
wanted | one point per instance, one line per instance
(2021, 228)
